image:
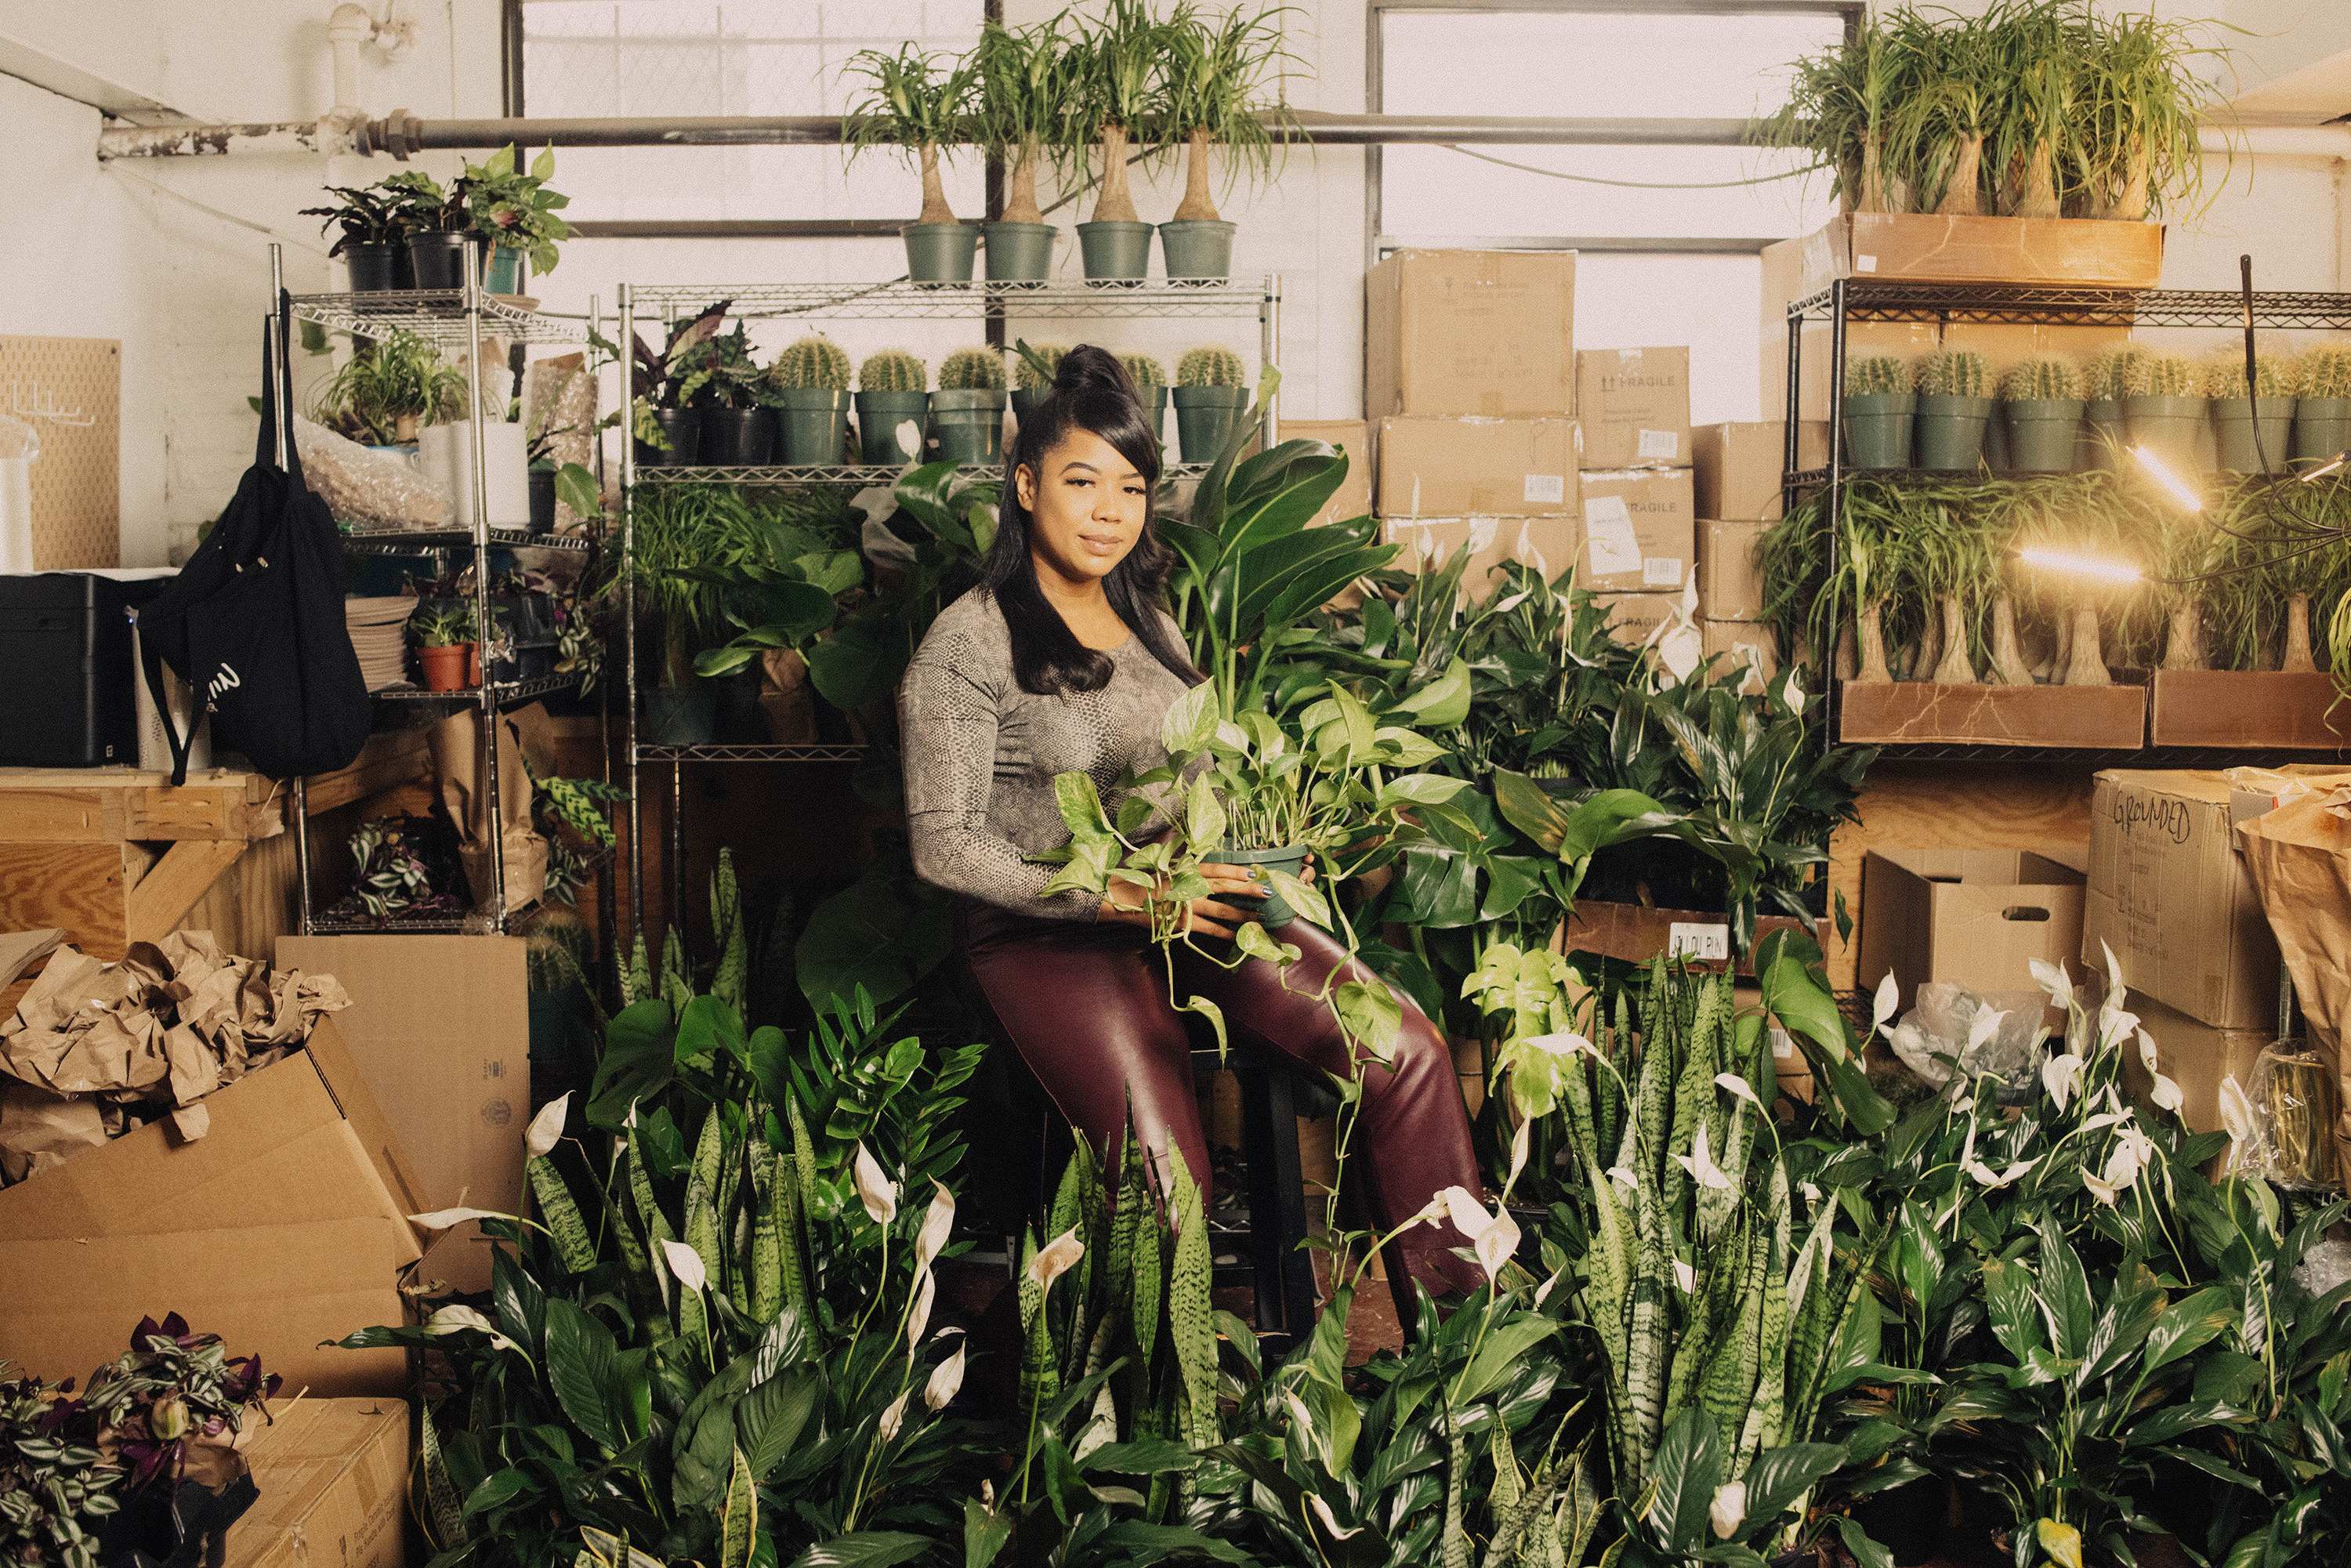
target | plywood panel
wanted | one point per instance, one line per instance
(80, 887)
(76, 505)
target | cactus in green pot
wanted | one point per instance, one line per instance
(2321, 420)
(2045, 378)
(2323, 372)
(815, 362)
(1953, 372)
(2151, 373)
(811, 383)
(1878, 375)
(893, 371)
(2224, 374)
(972, 370)
(2109, 377)
(1146, 373)
(1209, 368)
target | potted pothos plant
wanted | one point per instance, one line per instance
(919, 103)
(1215, 73)
(515, 208)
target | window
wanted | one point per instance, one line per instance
(1658, 265)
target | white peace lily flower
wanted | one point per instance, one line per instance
(2122, 1167)
(1792, 691)
(1984, 1176)
(2103, 1119)
(1738, 1086)
(1560, 1042)
(1056, 1258)
(918, 1317)
(2141, 1146)
(1812, 1194)
(947, 1379)
(2099, 1190)
(1623, 1177)
(895, 1416)
(2146, 1054)
(1544, 1290)
(2059, 1075)
(1684, 1276)
(1330, 1523)
(2113, 971)
(2115, 1026)
(1468, 1216)
(1700, 1165)
(448, 1218)
(873, 1188)
(2053, 979)
(547, 1127)
(1729, 1510)
(1884, 1005)
(1983, 1027)
(1517, 1154)
(937, 1221)
(685, 1263)
(2237, 1121)
(2165, 1095)
(1497, 1243)
(454, 1319)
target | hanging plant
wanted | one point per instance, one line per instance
(919, 103)
(1217, 73)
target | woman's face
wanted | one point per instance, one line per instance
(1085, 510)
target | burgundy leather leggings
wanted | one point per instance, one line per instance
(1087, 1006)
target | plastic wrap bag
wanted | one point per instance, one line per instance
(1996, 1035)
(559, 400)
(2323, 1268)
(369, 489)
(2282, 1125)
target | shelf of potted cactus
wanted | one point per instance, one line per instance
(2164, 408)
(1211, 389)
(919, 103)
(1033, 368)
(1881, 406)
(809, 383)
(2321, 413)
(968, 411)
(1953, 406)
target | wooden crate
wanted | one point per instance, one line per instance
(2090, 718)
(2266, 709)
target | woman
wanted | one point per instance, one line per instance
(1061, 662)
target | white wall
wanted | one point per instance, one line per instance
(105, 255)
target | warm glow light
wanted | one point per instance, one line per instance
(2321, 473)
(2181, 489)
(2057, 560)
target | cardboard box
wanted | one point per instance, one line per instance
(1640, 531)
(1634, 617)
(1546, 544)
(285, 1225)
(440, 1027)
(1470, 331)
(1633, 405)
(333, 1475)
(1747, 642)
(1352, 436)
(1737, 468)
(1471, 465)
(2271, 709)
(2091, 718)
(1977, 918)
(1729, 585)
(2171, 895)
(2195, 1056)
(2082, 253)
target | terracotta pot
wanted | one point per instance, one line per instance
(449, 669)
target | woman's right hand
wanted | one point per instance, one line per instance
(1130, 901)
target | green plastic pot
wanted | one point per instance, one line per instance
(1951, 431)
(1116, 250)
(1995, 442)
(2233, 433)
(2171, 427)
(1198, 248)
(506, 272)
(2042, 431)
(968, 426)
(1273, 912)
(940, 253)
(1020, 253)
(1204, 419)
(681, 716)
(1155, 398)
(1877, 428)
(737, 437)
(1027, 400)
(2102, 435)
(814, 420)
(2322, 429)
(889, 427)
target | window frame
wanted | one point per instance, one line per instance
(1377, 245)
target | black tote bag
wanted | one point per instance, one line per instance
(254, 622)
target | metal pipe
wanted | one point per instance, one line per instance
(628, 698)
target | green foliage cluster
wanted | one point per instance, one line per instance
(1144, 370)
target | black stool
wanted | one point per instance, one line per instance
(1273, 1231)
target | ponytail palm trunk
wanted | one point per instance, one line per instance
(1116, 203)
(935, 195)
(1198, 204)
(1020, 186)
(2298, 658)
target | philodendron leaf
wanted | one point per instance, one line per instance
(576, 488)
(1204, 817)
(1216, 1017)
(1420, 790)
(1372, 1017)
(1080, 803)
(1302, 896)
(1251, 939)
(1191, 721)
(1444, 701)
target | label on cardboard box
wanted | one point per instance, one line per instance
(1633, 405)
(1608, 526)
(1663, 444)
(1469, 464)
(1546, 489)
(1661, 570)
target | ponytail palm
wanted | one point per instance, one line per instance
(1217, 69)
(1115, 81)
(920, 102)
(1024, 87)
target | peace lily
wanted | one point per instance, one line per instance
(1729, 1510)
(2165, 1092)
(1517, 1154)
(1686, 1277)
(937, 1221)
(918, 1316)
(894, 1416)
(873, 1188)
(1493, 1237)
(2237, 1121)
(2053, 979)
(455, 1320)
(946, 1380)
(1738, 1086)
(1623, 1177)
(447, 1219)
(685, 1263)
(1983, 1027)
(1700, 1165)
(1329, 1521)
(1884, 1005)
(2060, 1075)
(547, 1128)
(1984, 1176)
(1055, 1258)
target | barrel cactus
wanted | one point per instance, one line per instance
(2224, 374)
(1034, 366)
(1209, 368)
(1953, 372)
(2108, 377)
(2045, 378)
(972, 370)
(2154, 374)
(1877, 375)
(893, 371)
(1147, 373)
(2323, 372)
(815, 361)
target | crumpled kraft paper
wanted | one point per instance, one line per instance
(457, 765)
(2299, 856)
(173, 1021)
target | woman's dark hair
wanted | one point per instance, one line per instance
(1092, 392)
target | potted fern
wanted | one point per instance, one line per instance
(890, 408)
(1879, 410)
(2163, 408)
(1952, 409)
(1210, 391)
(2322, 414)
(919, 103)
(2102, 414)
(1024, 79)
(2243, 449)
(1215, 73)
(1150, 379)
(2042, 398)
(1114, 74)
(968, 411)
(809, 383)
(1033, 368)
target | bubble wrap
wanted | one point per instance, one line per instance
(369, 490)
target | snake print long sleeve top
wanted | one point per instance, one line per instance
(981, 755)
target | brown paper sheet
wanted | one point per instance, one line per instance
(457, 766)
(2299, 856)
(20, 950)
